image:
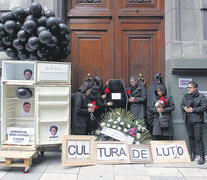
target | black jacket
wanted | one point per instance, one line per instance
(80, 114)
(137, 108)
(199, 104)
(168, 108)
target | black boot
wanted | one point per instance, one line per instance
(201, 160)
(192, 156)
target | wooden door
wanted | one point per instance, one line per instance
(116, 39)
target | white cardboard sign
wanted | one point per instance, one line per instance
(111, 152)
(169, 151)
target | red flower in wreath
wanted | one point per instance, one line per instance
(106, 91)
(162, 98)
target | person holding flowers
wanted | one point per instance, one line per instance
(161, 110)
(82, 108)
(137, 98)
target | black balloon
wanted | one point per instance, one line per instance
(36, 9)
(7, 40)
(2, 31)
(42, 21)
(30, 26)
(11, 52)
(43, 52)
(41, 28)
(22, 35)
(6, 16)
(30, 17)
(33, 56)
(52, 23)
(63, 29)
(65, 52)
(2, 46)
(23, 55)
(45, 36)
(23, 93)
(28, 12)
(18, 44)
(49, 13)
(28, 48)
(65, 40)
(34, 43)
(53, 42)
(19, 13)
(10, 26)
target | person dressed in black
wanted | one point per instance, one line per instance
(81, 110)
(158, 79)
(193, 105)
(137, 98)
(165, 110)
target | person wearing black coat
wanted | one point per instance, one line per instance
(81, 110)
(160, 133)
(193, 106)
(137, 98)
(158, 79)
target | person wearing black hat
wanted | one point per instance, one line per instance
(81, 110)
(158, 79)
(193, 106)
(161, 110)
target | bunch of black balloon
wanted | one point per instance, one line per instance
(34, 34)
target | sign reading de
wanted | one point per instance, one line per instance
(111, 152)
(140, 154)
(169, 151)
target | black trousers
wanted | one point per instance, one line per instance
(195, 137)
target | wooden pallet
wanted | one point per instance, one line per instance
(11, 155)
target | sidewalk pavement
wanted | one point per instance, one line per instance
(49, 167)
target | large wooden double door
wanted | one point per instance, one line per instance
(116, 39)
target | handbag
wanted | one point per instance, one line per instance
(164, 121)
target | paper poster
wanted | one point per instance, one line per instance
(117, 135)
(18, 135)
(116, 96)
(27, 107)
(53, 132)
(183, 82)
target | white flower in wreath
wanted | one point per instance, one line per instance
(102, 124)
(110, 120)
(125, 130)
(139, 128)
(115, 122)
(137, 123)
(138, 136)
(128, 125)
(119, 119)
(119, 128)
(138, 143)
(122, 123)
(118, 113)
(108, 125)
(98, 132)
(114, 126)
